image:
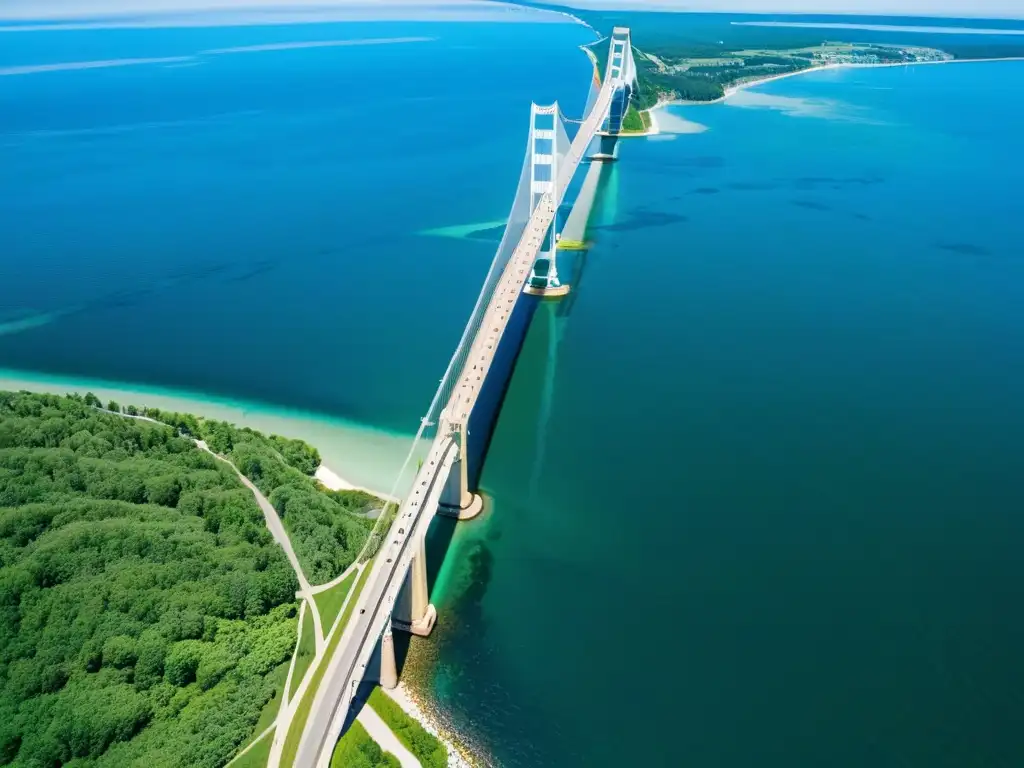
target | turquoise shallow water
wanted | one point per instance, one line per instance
(757, 496)
(755, 489)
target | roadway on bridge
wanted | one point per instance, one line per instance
(348, 665)
(332, 701)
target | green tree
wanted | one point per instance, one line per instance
(182, 662)
(119, 651)
(143, 604)
(163, 490)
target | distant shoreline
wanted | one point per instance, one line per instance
(734, 89)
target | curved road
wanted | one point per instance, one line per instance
(274, 524)
(277, 530)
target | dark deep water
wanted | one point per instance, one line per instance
(757, 497)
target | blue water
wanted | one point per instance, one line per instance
(246, 225)
(756, 497)
(755, 491)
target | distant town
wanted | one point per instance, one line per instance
(678, 77)
(849, 53)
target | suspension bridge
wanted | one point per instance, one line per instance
(461, 417)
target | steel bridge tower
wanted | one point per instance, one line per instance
(547, 138)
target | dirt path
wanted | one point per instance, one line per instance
(277, 530)
(274, 525)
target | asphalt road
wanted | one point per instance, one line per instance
(348, 665)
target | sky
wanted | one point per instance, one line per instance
(26, 10)
(40, 10)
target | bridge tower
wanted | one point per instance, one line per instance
(548, 144)
(621, 72)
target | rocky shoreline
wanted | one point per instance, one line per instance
(458, 757)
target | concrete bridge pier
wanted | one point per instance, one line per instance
(388, 665)
(457, 500)
(413, 611)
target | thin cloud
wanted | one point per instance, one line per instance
(37, 15)
(65, 66)
(316, 44)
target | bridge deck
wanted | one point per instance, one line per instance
(348, 666)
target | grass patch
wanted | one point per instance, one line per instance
(355, 749)
(306, 651)
(258, 756)
(635, 121)
(329, 601)
(426, 747)
(291, 744)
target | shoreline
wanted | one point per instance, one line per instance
(329, 479)
(734, 89)
(353, 448)
(409, 702)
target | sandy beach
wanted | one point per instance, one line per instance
(353, 456)
(330, 479)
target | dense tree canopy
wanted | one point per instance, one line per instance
(327, 528)
(142, 600)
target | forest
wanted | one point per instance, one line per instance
(706, 83)
(652, 84)
(327, 528)
(143, 603)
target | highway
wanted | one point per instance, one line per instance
(346, 669)
(373, 614)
